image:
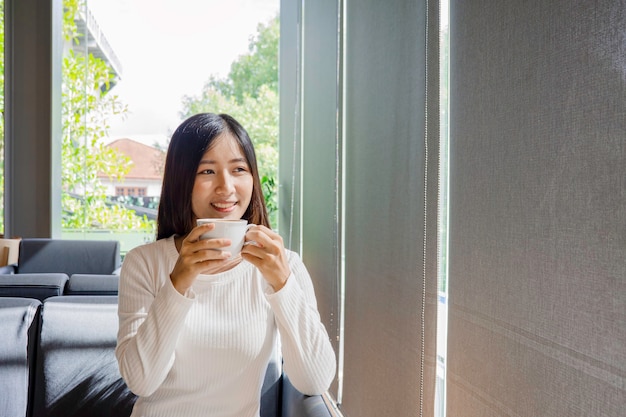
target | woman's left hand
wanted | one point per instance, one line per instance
(267, 252)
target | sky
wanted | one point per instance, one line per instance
(169, 49)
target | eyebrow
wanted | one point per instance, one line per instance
(232, 161)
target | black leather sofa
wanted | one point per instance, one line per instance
(57, 358)
(58, 321)
(48, 267)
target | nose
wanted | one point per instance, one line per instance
(225, 185)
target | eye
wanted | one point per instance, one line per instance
(206, 172)
(241, 169)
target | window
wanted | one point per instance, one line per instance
(442, 238)
(125, 91)
(130, 191)
(2, 118)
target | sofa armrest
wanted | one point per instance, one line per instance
(296, 404)
(19, 327)
(8, 269)
(38, 286)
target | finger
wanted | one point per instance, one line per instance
(253, 249)
(204, 244)
(253, 240)
(194, 260)
(198, 231)
(274, 268)
(264, 237)
(211, 244)
(266, 251)
(211, 255)
(267, 231)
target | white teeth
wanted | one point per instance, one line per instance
(223, 206)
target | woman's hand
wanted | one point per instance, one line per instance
(267, 252)
(196, 256)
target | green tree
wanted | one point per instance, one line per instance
(256, 69)
(250, 94)
(88, 105)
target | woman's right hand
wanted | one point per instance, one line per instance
(198, 256)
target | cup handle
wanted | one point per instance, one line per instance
(250, 242)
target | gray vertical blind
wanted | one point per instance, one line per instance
(363, 72)
(385, 120)
(321, 162)
(309, 151)
(537, 257)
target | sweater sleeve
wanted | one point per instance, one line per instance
(308, 356)
(151, 315)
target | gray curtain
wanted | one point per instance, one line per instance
(537, 287)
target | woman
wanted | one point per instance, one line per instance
(197, 325)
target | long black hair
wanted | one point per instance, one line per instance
(189, 143)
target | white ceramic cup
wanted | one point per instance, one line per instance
(235, 230)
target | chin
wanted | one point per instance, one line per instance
(228, 216)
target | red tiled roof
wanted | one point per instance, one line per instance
(147, 162)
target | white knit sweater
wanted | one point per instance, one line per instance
(206, 354)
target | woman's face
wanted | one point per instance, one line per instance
(223, 185)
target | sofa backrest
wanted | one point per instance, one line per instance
(76, 370)
(19, 325)
(68, 256)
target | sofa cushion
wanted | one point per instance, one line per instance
(39, 286)
(19, 325)
(68, 256)
(92, 284)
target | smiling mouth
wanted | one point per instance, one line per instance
(223, 206)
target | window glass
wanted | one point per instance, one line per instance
(442, 306)
(2, 118)
(132, 71)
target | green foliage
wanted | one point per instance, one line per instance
(250, 94)
(257, 68)
(269, 186)
(88, 106)
(71, 9)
